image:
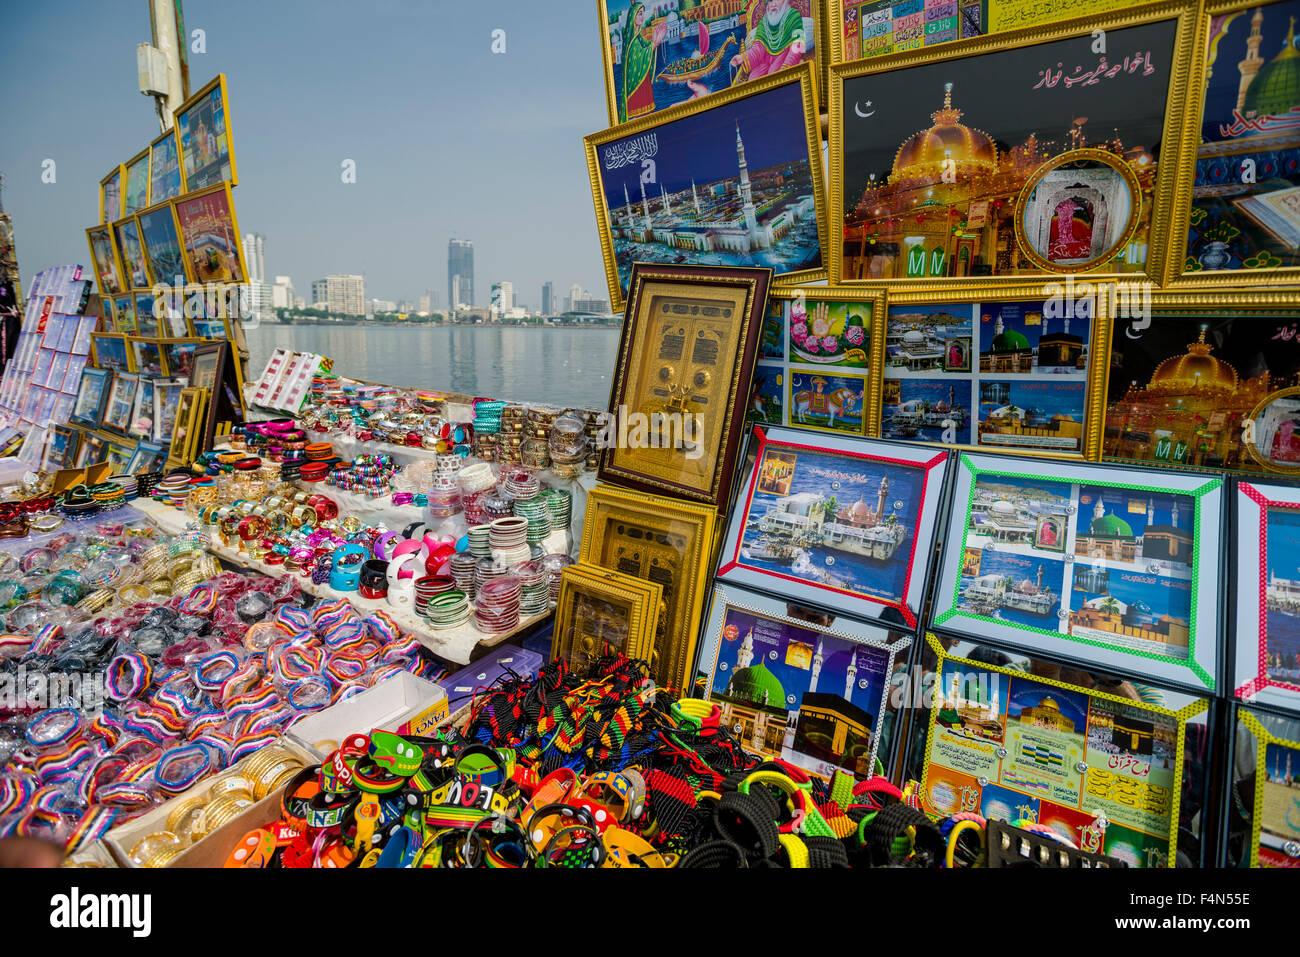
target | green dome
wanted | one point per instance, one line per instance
(1111, 525)
(1276, 88)
(1010, 341)
(758, 685)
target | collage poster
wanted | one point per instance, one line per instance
(1010, 747)
(1003, 375)
(1102, 564)
(798, 694)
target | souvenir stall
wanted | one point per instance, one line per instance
(942, 515)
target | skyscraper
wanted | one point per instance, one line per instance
(255, 255)
(341, 295)
(548, 291)
(575, 293)
(460, 273)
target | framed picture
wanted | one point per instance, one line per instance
(1264, 779)
(825, 328)
(147, 356)
(767, 394)
(1266, 666)
(121, 401)
(1007, 368)
(1027, 154)
(110, 196)
(119, 453)
(91, 451)
(599, 612)
(795, 684)
(137, 183)
(210, 236)
(216, 330)
(846, 524)
(146, 322)
(162, 245)
(661, 540)
(1242, 225)
(164, 169)
(149, 457)
(91, 396)
(656, 58)
(103, 255)
(735, 180)
(141, 425)
(131, 253)
(1207, 380)
(124, 314)
(108, 350)
(203, 128)
(178, 356)
(60, 448)
(1103, 770)
(689, 340)
(166, 405)
(826, 402)
(1127, 590)
(188, 425)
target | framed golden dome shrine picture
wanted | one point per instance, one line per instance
(1210, 380)
(1033, 153)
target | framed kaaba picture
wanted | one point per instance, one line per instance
(1018, 368)
(659, 55)
(1207, 380)
(733, 180)
(1031, 153)
(664, 541)
(1102, 769)
(1241, 223)
(681, 384)
(795, 684)
(835, 522)
(1115, 567)
(1266, 664)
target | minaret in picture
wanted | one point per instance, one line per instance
(1151, 511)
(695, 197)
(645, 207)
(746, 196)
(745, 656)
(880, 500)
(668, 209)
(1099, 509)
(816, 666)
(1253, 62)
(849, 676)
(1040, 578)
(1173, 514)
(627, 207)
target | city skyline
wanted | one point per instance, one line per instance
(414, 189)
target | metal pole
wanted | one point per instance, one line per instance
(166, 19)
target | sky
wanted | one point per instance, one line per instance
(449, 139)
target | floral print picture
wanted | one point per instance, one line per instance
(829, 332)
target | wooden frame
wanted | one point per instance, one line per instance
(816, 12)
(998, 366)
(704, 392)
(183, 116)
(923, 173)
(578, 633)
(642, 138)
(663, 540)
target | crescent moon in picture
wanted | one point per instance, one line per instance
(858, 110)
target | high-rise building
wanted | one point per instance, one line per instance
(460, 273)
(425, 305)
(503, 298)
(255, 255)
(589, 303)
(320, 294)
(575, 293)
(548, 291)
(282, 296)
(341, 295)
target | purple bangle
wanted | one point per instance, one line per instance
(383, 545)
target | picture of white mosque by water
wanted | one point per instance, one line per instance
(790, 692)
(835, 520)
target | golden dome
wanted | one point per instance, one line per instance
(923, 153)
(1195, 370)
(1049, 704)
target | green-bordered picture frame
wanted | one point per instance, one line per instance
(1103, 770)
(1115, 567)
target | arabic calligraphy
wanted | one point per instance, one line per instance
(1127, 762)
(632, 150)
(1104, 70)
(1275, 123)
(1286, 333)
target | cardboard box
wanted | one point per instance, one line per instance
(403, 703)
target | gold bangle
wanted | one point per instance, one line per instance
(230, 784)
(148, 847)
(164, 856)
(130, 594)
(267, 780)
(181, 818)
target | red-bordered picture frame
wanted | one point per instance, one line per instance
(1266, 662)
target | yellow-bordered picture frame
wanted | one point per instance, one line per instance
(210, 238)
(159, 260)
(137, 165)
(637, 143)
(132, 264)
(599, 609)
(101, 240)
(716, 58)
(189, 425)
(1225, 240)
(108, 350)
(108, 203)
(147, 356)
(187, 124)
(970, 721)
(1000, 399)
(162, 161)
(1280, 849)
(659, 539)
(959, 238)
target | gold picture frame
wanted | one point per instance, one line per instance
(113, 206)
(950, 251)
(722, 109)
(662, 540)
(598, 609)
(108, 278)
(1255, 143)
(698, 327)
(188, 112)
(1009, 375)
(188, 428)
(718, 56)
(137, 165)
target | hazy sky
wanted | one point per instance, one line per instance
(449, 139)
